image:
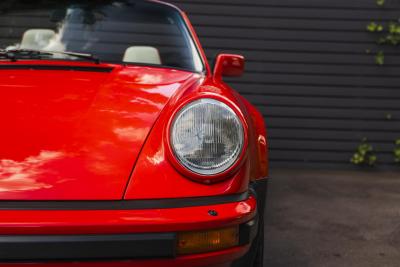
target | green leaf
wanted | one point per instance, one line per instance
(392, 27)
(372, 160)
(380, 2)
(371, 27)
(396, 151)
(380, 58)
(364, 155)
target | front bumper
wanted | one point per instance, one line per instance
(113, 248)
(56, 235)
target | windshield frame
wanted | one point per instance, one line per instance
(191, 34)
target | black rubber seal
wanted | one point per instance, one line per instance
(55, 67)
(123, 204)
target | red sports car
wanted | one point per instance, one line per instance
(119, 145)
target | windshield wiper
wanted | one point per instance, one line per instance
(15, 54)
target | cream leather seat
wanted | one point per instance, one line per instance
(142, 54)
(37, 39)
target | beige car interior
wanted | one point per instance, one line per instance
(142, 54)
(37, 39)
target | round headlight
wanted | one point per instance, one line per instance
(207, 137)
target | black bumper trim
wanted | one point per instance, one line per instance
(248, 231)
(86, 247)
(123, 204)
(47, 248)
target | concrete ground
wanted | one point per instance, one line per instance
(333, 218)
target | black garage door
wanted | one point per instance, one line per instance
(309, 73)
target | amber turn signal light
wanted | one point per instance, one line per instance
(207, 241)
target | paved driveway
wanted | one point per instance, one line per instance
(333, 218)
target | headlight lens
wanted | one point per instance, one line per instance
(207, 137)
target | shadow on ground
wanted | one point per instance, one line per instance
(333, 218)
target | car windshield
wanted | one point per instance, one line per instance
(115, 31)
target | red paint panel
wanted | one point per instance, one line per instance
(74, 135)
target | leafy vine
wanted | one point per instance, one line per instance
(364, 155)
(386, 34)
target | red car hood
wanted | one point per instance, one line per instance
(76, 134)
